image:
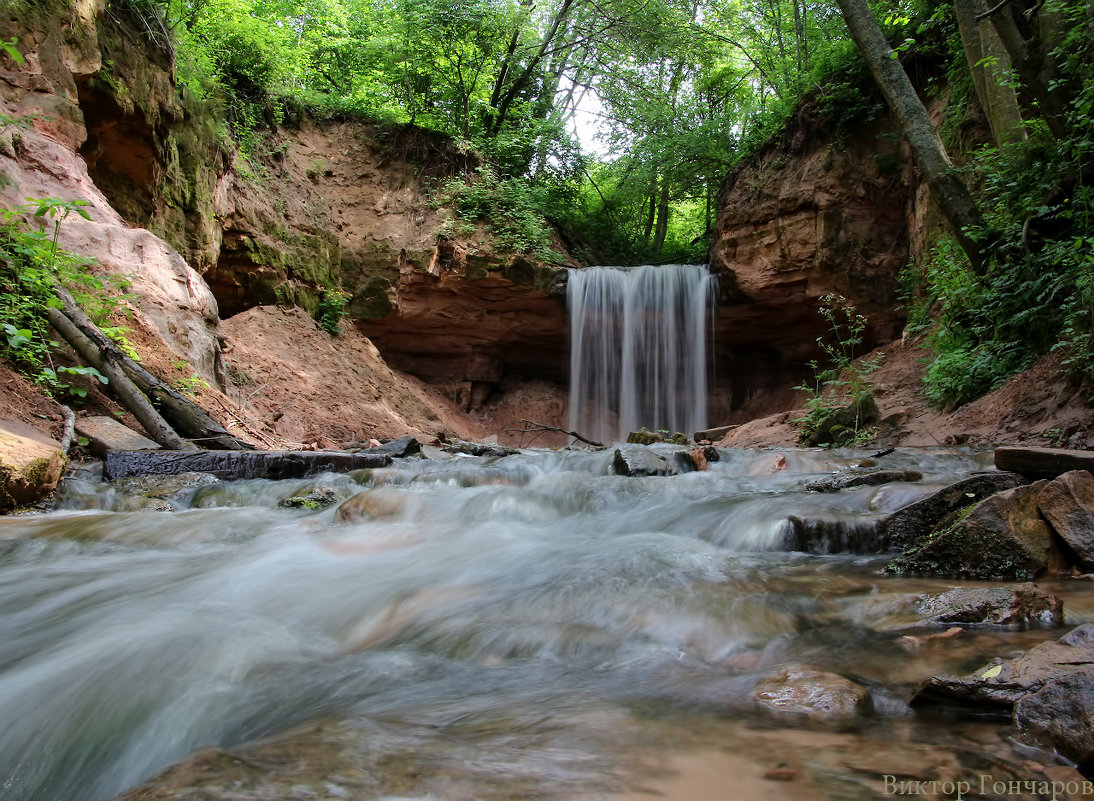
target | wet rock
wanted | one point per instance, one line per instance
(479, 449)
(637, 460)
(1021, 605)
(872, 479)
(1068, 504)
(318, 498)
(158, 493)
(375, 504)
(644, 437)
(831, 535)
(915, 520)
(840, 425)
(802, 691)
(1002, 537)
(31, 464)
(997, 687)
(106, 433)
(239, 464)
(697, 458)
(1061, 716)
(395, 448)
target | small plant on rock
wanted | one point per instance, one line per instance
(840, 406)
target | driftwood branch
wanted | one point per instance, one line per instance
(154, 424)
(182, 414)
(991, 12)
(68, 436)
(530, 426)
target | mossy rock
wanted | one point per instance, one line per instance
(841, 425)
(31, 465)
(1001, 537)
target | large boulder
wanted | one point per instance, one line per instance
(997, 687)
(1002, 537)
(31, 465)
(1068, 504)
(1061, 716)
(915, 520)
(638, 460)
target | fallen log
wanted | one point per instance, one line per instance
(232, 465)
(102, 360)
(182, 414)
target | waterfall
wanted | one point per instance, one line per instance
(638, 349)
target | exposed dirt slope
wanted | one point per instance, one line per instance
(1039, 406)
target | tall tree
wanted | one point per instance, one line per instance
(928, 153)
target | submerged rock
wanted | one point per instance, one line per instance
(637, 460)
(1068, 504)
(1021, 605)
(872, 479)
(375, 504)
(318, 498)
(997, 687)
(1002, 537)
(915, 520)
(479, 449)
(159, 493)
(801, 691)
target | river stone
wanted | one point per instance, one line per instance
(696, 458)
(638, 460)
(396, 448)
(1000, 690)
(1020, 605)
(156, 493)
(31, 465)
(1061, 716)
(479, 449)
(644, 437)
(903, 527)
(374, 504)
(802, 691)
(872, 479)
(1002, 537)
(318, 498)
(239, 464)
(1068, 504)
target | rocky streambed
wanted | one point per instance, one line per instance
(529, 625)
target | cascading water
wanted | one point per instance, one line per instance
(638, 349)
(498, 629)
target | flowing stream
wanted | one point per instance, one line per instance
(638, 349)
(530, 626)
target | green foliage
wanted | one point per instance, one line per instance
(840, 383)
(511, 209)
(331, 309)
(31, 265)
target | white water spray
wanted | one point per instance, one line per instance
(638, 349)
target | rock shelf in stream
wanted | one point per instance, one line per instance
(239, 464)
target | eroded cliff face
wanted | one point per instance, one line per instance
(809, 215)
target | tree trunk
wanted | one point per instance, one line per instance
(154, 425)
(662, 218)
(179, 413)
(999, 101)
(949, 193)
(1035, 66)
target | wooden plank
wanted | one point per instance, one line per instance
(1042, 462)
